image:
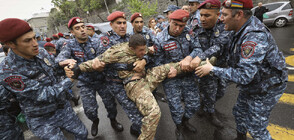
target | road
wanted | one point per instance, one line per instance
(281, 122)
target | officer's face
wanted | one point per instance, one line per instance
(185, 7)
(26, 45)
(140, 51)
(193, 6)
(228, 19)
(160, 20)
(208, 17)
(168, 13)
(79, 31)
(119, 26)
(90, 31)
(152, 23)
(176, 27)
(138, 24)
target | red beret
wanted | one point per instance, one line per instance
(181, 15)
(48, 44)
(48, 39)
(12, 28)
(210, 4)
(55, 36)
(238, 4)
(115, 15)
(74, 21)
(135, 15)
(91, 27)
(60, 34)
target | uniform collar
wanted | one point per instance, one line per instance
(244, 26)
(12, 55)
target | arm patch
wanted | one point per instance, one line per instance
(248, 49)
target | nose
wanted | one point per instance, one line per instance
(35, 43)
(222, 18)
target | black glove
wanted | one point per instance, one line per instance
(77, 71)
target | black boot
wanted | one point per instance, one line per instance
(201, 112)
(94, 128)
(116, 126)
(240, 136)
(135, 132)
(214, 120)
(179, 132)
(187, 125)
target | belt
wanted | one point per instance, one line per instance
(114, 80)
(134, 80)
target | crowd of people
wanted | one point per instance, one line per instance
(193, 52)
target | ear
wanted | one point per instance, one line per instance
(169, 20)
(110, 23)
(72, 32)
(10, 44)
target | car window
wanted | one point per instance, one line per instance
(272, 7)
(288, 6)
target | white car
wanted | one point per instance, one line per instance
(279, 13)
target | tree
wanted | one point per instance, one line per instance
(147, 9)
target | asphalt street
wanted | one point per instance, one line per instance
(281, 121)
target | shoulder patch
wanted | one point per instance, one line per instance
(15, 82)
(248, 49)
(104, 41)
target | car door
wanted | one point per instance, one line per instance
(272, 13)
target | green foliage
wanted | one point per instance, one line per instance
(90, 5)
(147, 9)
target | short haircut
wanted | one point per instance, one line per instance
(137, 40)
(247, 13)
(5, 48)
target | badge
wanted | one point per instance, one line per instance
(147, 37)
(47, 62)
(104, 41)
(248, 49)
(185, 19)
(92, 51)
(216, 34)
(15, 83)
(228, 3)
(188, 37)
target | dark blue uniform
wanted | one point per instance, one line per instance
(59, 44)
(259, 69)
(213, 43)
(174, 49)
(42, 97)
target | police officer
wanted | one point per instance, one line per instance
(213, 39)
(138, 84)
(40, 41)
(29, 73)
(170, 9)
(255, 64)
(54, 39)
(194, 20)
(81, 49)
(113, 83)
(59, 43)
(175, 44)
(91, 32)
(8, 112)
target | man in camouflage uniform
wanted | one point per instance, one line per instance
(213, 40)
(81, 49)
(9, 109)
(175, 44)
(138, 83)
(194, 21)
(59, 43)
(29, 73)
(255, 64)
(113, 83)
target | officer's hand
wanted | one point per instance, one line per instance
(67, 62)
(139, 65)
(98, 65)
(185, 63)
(151, 50)
(195, 62)
(172, 73)
(204, 70)
(68, 72)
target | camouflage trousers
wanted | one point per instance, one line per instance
(90, 105)
(9, 129)
(141, 93)
(49, 126)
(117, 90)
(252, 112)
(179, 88)
(211, 89)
